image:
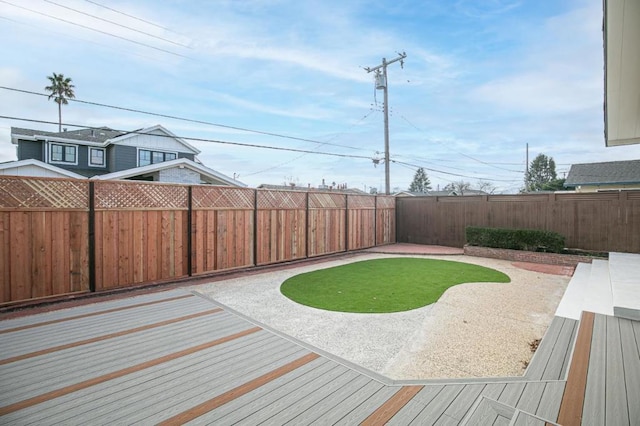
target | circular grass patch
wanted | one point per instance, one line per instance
(383, 285)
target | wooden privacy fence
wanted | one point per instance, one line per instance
(604, 221)
(61, 236)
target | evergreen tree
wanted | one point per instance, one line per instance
(421, 182)
(542, 175)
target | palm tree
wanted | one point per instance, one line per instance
(61, 89)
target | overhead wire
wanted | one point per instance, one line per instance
(117, 24)
(190, 138)
(189, 120)
(95, 29)
(130, 16)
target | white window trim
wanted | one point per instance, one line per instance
(152, 150)
(104, 157)
(69, 163)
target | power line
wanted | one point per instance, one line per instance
(94, 29)
(242, 144)
(116, 23)
(173, 117)
(130, 16)
(449, 173)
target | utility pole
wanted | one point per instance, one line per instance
(381, 83)
(526, 170)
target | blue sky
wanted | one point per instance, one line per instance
(480, 81)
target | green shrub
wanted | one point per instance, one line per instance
(515, 239)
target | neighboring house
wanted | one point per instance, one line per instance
(153, 154)
(612, 175)
(439, 193)
(339, 189)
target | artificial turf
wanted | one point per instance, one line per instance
(384, 285)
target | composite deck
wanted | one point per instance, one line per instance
(178, 358)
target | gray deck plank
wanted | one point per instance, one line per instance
(290, 400)
(530, 398)
(102, 351)
(593, 411)
(411, 410)
(512, 393)
(567, 359)
(247, 404)
(331, 401)
(493, 390)
(34, 339)
(160, 402)
(526, 419)
(483, 415)
(126, 386)
(501, 421)
(347, 405)
(462, 403)
(550, 401)
(49, 376)
(89, 309)
(631, 357)
(116, 394)
(368, 406)
(434, 409)
(323, 400)
(177, 399)
(558, 354)
(616, 396)
(540, 358)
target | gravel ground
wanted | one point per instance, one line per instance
(474, 330)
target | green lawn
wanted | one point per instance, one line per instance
(383, 285)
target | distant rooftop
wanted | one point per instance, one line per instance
(99, 134)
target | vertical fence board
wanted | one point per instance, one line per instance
(5, 259)
(607, 221)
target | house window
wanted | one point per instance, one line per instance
(146, 157)
(63, 154)
(96, 157)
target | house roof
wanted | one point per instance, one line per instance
(611, 172)
(208, 174)
(622, 67)
(18, 168)
(94, 135)
(353, 191)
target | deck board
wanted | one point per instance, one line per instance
(631, 364)
(159, 358)
(616, 409)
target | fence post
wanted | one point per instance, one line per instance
(255, 227)
(190, 230)
(92, 238)
(375, 220)
(346, 222)
(306, 229)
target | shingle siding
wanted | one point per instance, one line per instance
(30, 150)
(122, 158)
(187, 156)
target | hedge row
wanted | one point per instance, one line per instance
(515, 239)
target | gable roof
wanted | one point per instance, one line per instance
(31, 167)
(151, 130)
(209, 174)
(611, 172)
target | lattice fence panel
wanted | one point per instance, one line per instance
(211, 197)
(361, 202)
(386, 202)
(327, 201)
(28, 193)
(126, 196)
(282, 200)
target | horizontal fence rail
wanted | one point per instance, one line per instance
(63, 236)
(604, 221)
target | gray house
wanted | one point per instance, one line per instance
(153, 154)
(605, 176)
